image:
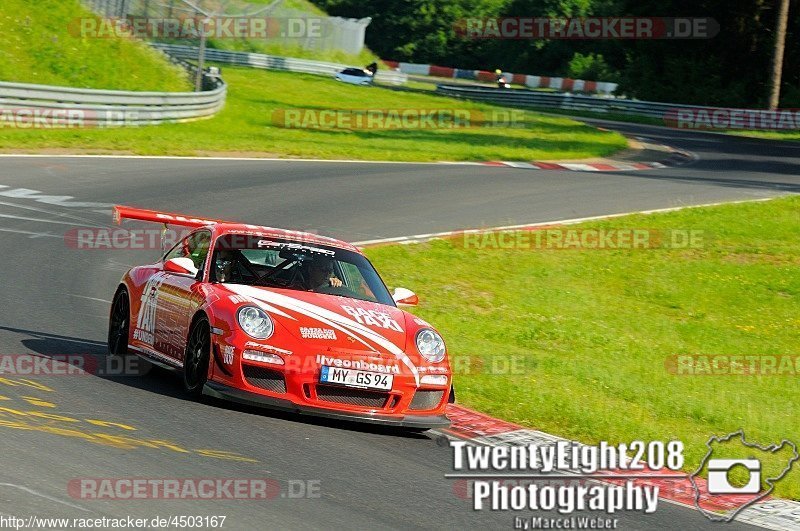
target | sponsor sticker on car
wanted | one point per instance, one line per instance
(353, 378)
(317, 333)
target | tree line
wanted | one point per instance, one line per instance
(729, 68)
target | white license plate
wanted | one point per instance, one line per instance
(353, 378)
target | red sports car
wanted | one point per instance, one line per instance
(283, 319)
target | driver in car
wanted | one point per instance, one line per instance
(224, 265)
(321, 274)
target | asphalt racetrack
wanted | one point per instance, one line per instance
(55, 302)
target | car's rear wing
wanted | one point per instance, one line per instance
(121, 212)
(124, 212)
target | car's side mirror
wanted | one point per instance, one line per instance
(181, 266)
(405, 297)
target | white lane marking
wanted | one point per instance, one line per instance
(384, 240)
(57, 200)
(45, 496)
(572, 221)
(38, 220)
(32, 235)
(226, 159)
(513, 164)
(58, 214)
(88, 298)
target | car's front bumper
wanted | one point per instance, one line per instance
(233, 394)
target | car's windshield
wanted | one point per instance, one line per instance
(296, 265)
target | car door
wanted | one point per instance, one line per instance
(180, 296)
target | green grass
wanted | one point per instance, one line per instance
(430, 86)
(36, 46)
(771, 135)
(592, 329)
(245, 127)
(283, 50)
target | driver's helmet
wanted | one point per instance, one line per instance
(316, 268)
(224, 265)
(323, 264)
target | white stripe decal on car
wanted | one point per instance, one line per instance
(263, 305)
(321, 319)
(328, 317)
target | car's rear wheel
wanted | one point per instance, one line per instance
(119, 324)
(198, 353)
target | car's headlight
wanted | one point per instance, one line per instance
(430, 345)
(255, 322)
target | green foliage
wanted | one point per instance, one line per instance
(37, 46)
(730, 69)
(590, 66)
(415, 30)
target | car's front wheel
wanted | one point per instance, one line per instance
(119, 324)
(198, 353)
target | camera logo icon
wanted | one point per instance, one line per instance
(719, 481)
(735, 484)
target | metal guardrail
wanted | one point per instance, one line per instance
(530, 98)
(682, 116)
(271, 62)
(31, 105)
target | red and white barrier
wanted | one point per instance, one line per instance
(556, 83)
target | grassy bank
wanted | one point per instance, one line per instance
(37, 46)
(245, 127)
(595, 333)
(771, 135)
